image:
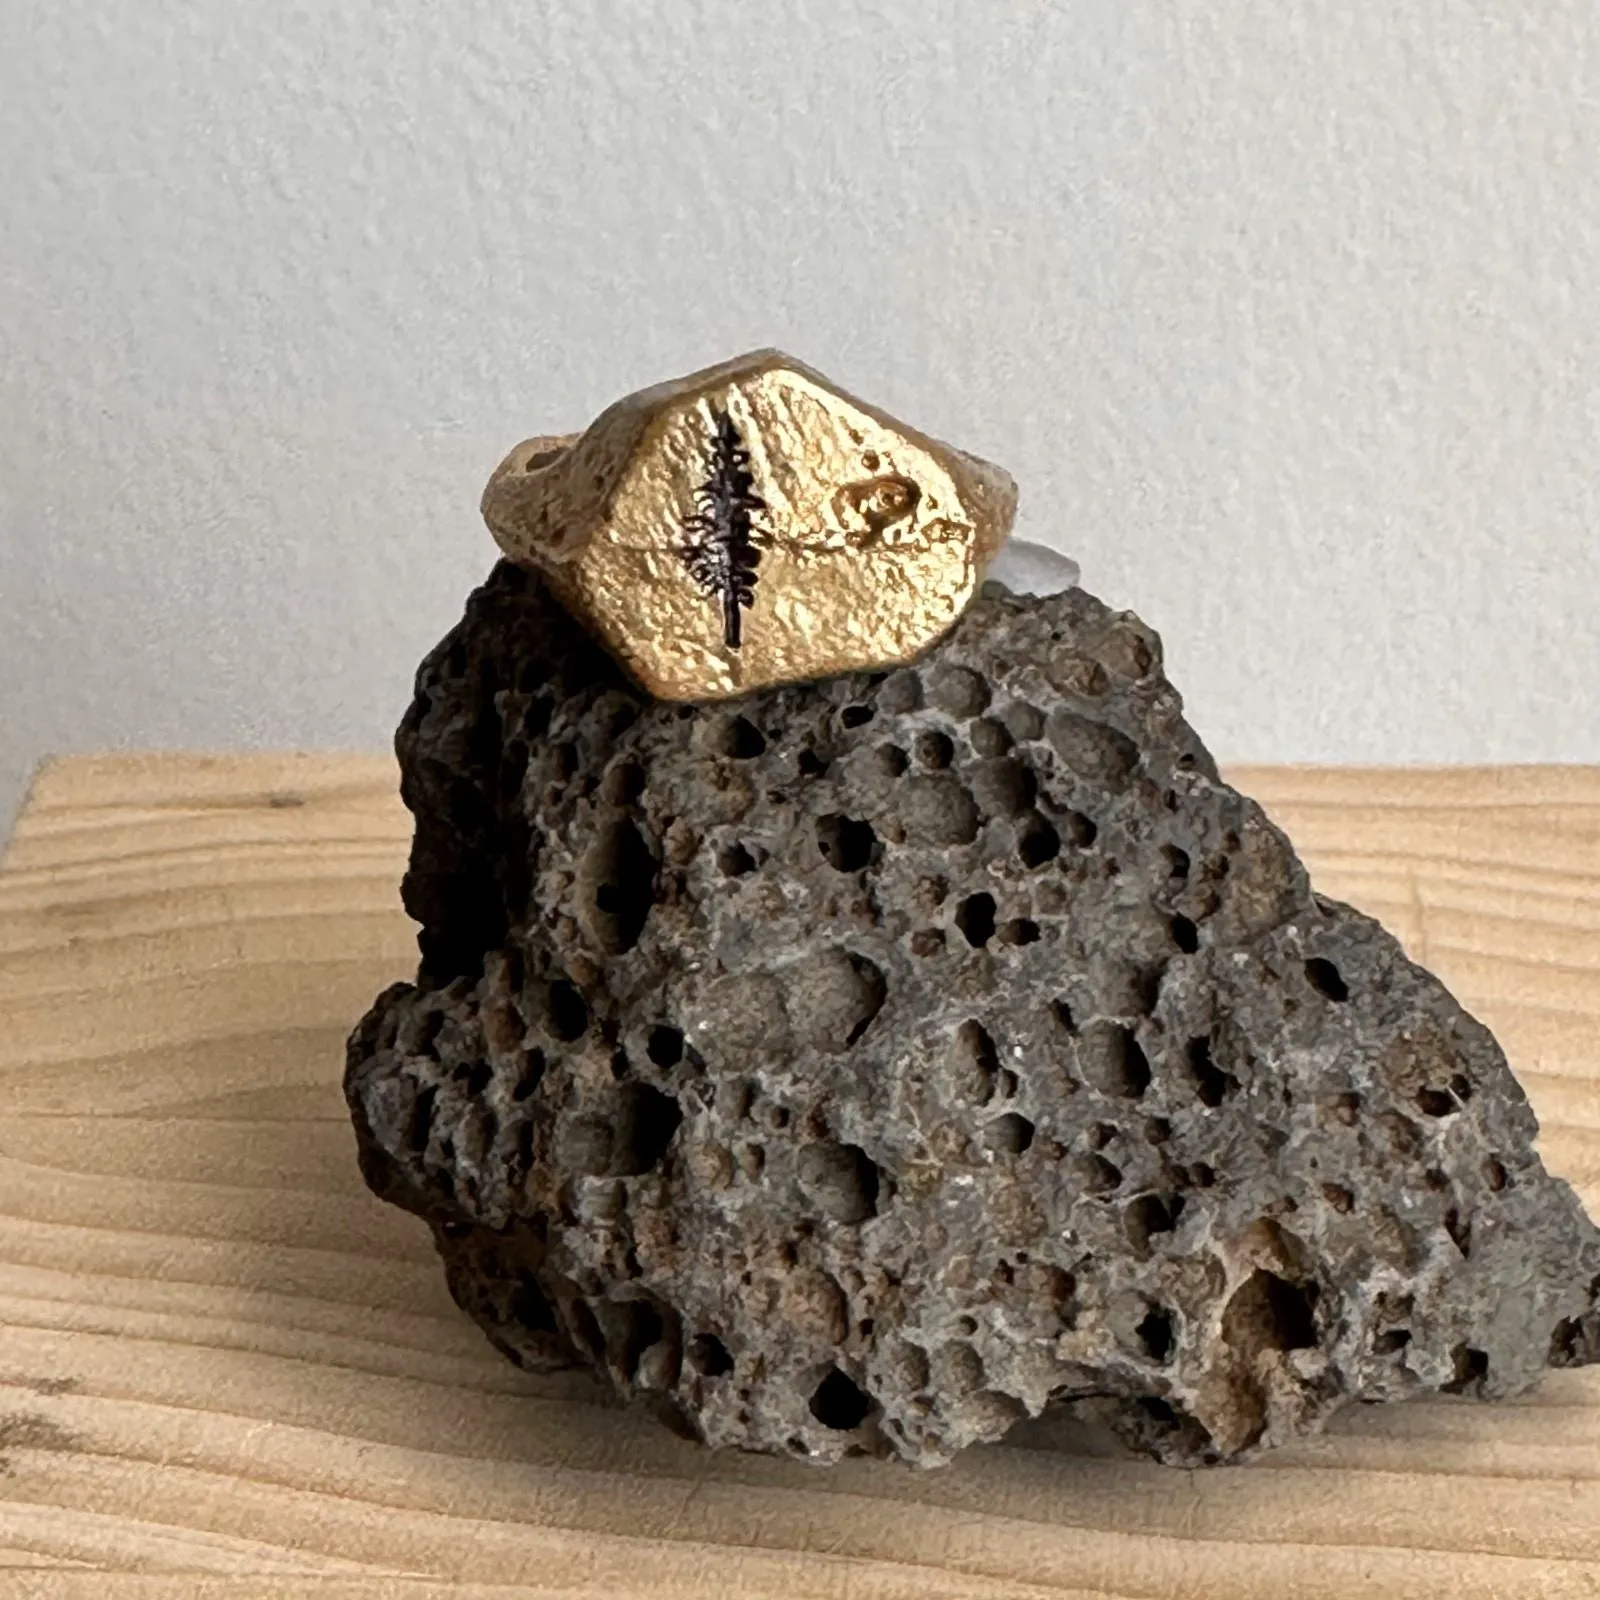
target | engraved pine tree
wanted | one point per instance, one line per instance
(722, 556)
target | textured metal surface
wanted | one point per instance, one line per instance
(871, 536)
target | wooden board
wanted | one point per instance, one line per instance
(226, 1371)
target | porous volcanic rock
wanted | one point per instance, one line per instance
(866, 1065)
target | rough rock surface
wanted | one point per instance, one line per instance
(864, 1066)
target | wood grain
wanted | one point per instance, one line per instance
(226, 1371)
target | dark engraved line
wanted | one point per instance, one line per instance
(721, 554)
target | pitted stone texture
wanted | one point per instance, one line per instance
(867, 1065)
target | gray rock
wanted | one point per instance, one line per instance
(866, 1065)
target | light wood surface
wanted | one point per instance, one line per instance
(226, 1371)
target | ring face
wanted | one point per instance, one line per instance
(751, 525)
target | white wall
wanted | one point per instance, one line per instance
(1285, 314)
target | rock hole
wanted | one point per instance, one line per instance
(1095, 1175)
(1062, 1012)
(564, 760)
(734, 861)
(586, 1330)
(1471, 1368)
(1575, 1341)
(927, 942)
(1403, 1135)
(959, 691)
(975, 919)
(1157, 1130)
(1339, 1197)
(475, 1076)
(1269, 1313)
(1436, 1102)
(1020, 930)
(1008, 1135)
(646, 1122)
(530, 1308)
(1177, 862)
(1155, 1334)
(427, 1034)
(1092, 750)
(901, 692)
(839, 1404)
(532, 1072)
(1211, 1084)
(1112, 1061)
(1391, 1341)
(665, 1045)
(857, 716)
(1022, 721)
(635, 1326)
(1004, 787)
(1494, 1174)
(536, 719)
(623, 783)
(1157, 1409)
(1325, 979)
(988, 738)
(1201, 1175)
(810, 764)
(892, 760)
(421, 1128)
(512, 968)
(840, 1180)
(1185, 935)
(568, 1015)
(1080, 829)
(976, 1061)
(1037, 842)
(1146, 1217)
(935, 750)
(936, 809)
(1460, 1229)
(867, 996)
(513, 769)
(742, 739)
(1460, 1087)
(708, 1355)
(846, 843)
(621, 871)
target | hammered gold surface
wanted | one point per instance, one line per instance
(869, 540)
